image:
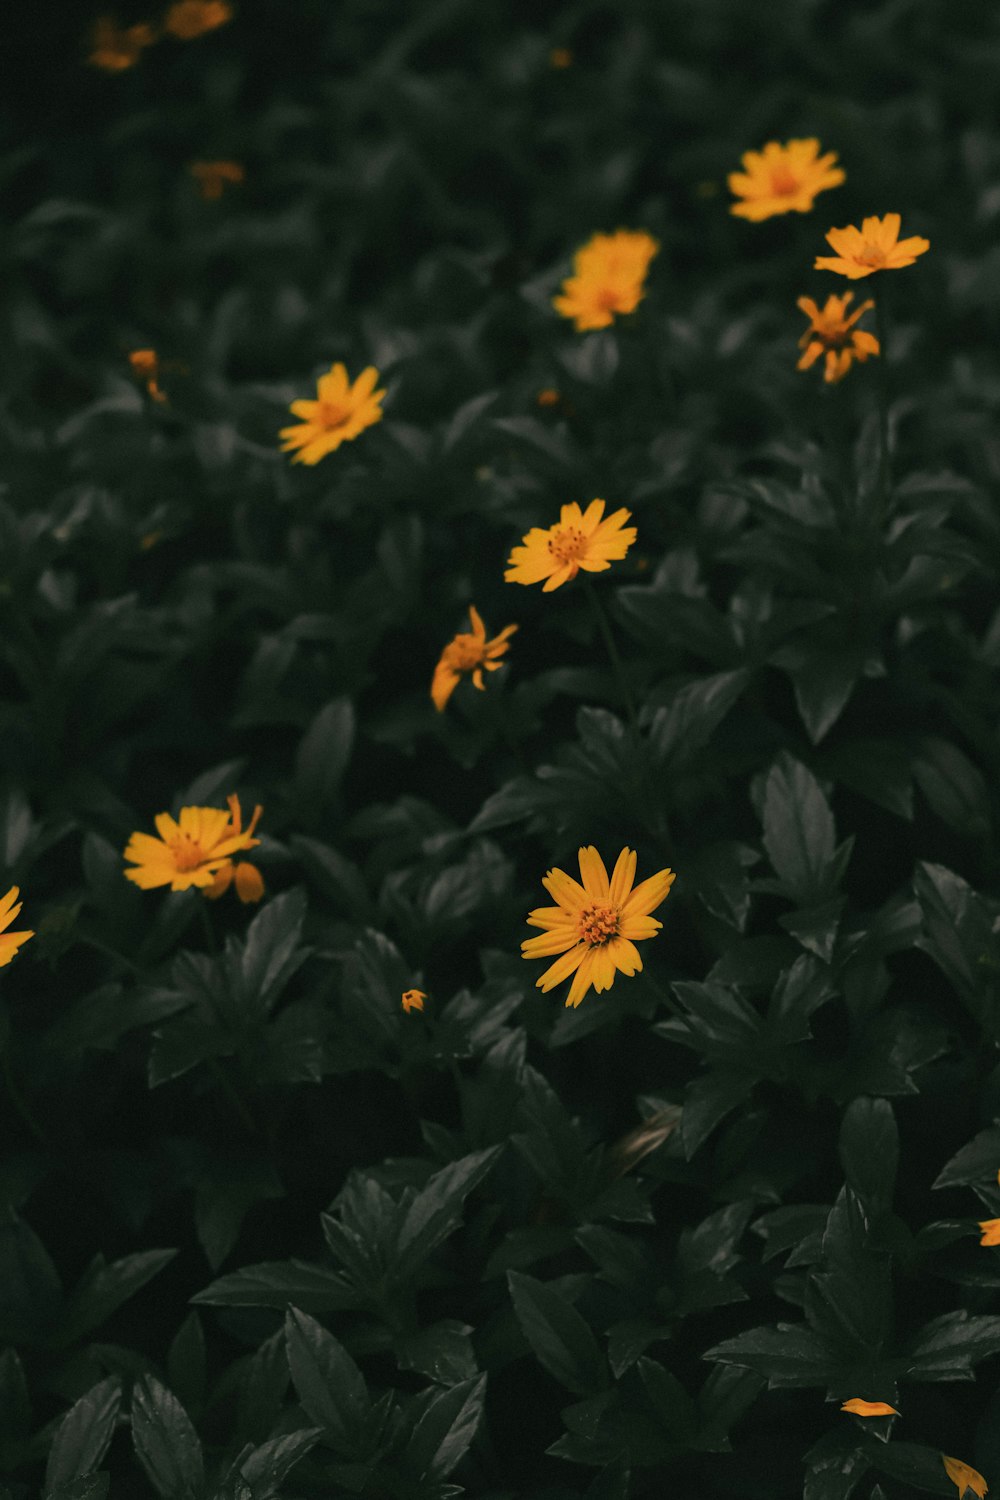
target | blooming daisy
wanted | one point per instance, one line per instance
(832, 332)
(191, 850)
(341, 411)
(211, 176)
(595, 925)
(190, 18)
(609, 274)
(115, 47)
(862, 1408)
(580, 540)
(9, 911)
(876, 246)
(413, 1000)
(964, 1477)
(781, 179)
(468, 653)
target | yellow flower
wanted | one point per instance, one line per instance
(340, 413)
(580, 540)
(146, 366)
(991, 1231)
(211, 176)
(561, 57)
(548, 397)
(832, 332)
(876, 246)
(249, 882)
(118, 47)
(190, 18)
(781, 179)
(964, 1477)
(595, 924)
(468, 653)
(192, 850)
(10, 941)
(413, 1000)
(609, 274)
(862, 1408)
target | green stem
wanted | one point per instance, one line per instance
(18, 1100)
(616, 661)
(884, 473)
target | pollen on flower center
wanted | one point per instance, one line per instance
(331, 413)
(598, 924)
(568, 544)
(784, 182)
(187, 852)
(870, 255)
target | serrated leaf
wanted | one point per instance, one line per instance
(446, 1429)
(976, 1162)
(270, 952)
(560, 1338)
(330, 1386)
(278, 1284)
(437, 1209)
(788, 1355)
(84, 1434)
(798, 831)
(947, 1347)
(165, 1442)
(680, 728)
(102, 1288)
(269, 1465)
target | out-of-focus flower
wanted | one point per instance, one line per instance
(596, 925)
(115, 48)
(10, 908)
(548, 397)
(876, 246)
(991, 1231)
(212, 176)
(146, 366)
(341, 411)
(862, 1408)
(580, 540)
(192, 849)
(609, 275)
(187, 19)
(466, 654)
(413, 1000)
(782, 179)
(964, 1477)
(561, 57)
(832, 332)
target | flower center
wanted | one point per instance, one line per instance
(870, 255)
(597, 924)
(187, 853)
(783, 182)
(332, 413)
(464, 653)
(567, 545)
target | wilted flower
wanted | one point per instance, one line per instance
(781, 179)
(115, 47)
(580, 540)
(595, 925)
(862, 1408)
(964, 1477)
(832, 332)
(191, 850)
(146, 365)
(609, 274)
(211, 176)
(341, 411)
(9, 911)
(876, 246)
(190, 18)
(413, 1000)
(468, 653)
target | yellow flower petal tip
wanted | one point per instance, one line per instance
(115, 48)
(196, 850)
(595, 925)
(580, 539)
(186, 19)
(991, 1231)
(10, 941)
(832, 333)
(468, 654)
(146, 367)
(862, 1408)
(876, 246)
(609, 276)
(212, 176)
(781, 179)
(341, 410)
(413, 1000)
(964, 1477)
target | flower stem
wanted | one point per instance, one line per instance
(884, 472)
(616, 661)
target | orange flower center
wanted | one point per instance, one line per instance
(597, 924)
(332, 413)
(188, 854)
(870, 255)
(464, 653)
(567, 545)
(783, 182)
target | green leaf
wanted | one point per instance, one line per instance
(279, 1283)
(84, 1434)
(836, 1465)
(957, 929)
(869, 1152)
(953, 786)
(330, 1386)
(103, 1287)
(15, 1409)
(707, 1101)
(913, 1464)
(270, 953)
(788, 1355)
(446, 1428)
(560, 1338)
(436, 1211)
(338, 878)
(226, 1191)
(682, 727)
(165, 1442)
(323, 754)
(186, 1363)
(672, 1406)
(30, 1290)
(976, 1163)
(798, 831)
(443, 1352)
(947, 1347)
(612, 1483)
(269, 1465)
